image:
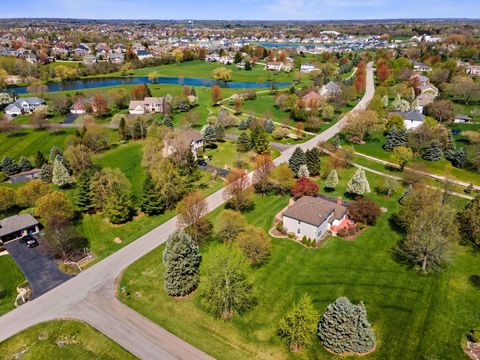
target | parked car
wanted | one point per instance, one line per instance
(202, 163)
(30, 241)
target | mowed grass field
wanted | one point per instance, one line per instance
(414, 316)
(77, 340)
(10, 278)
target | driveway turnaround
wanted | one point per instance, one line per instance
(38, 265)
(90, 296)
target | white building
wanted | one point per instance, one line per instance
(312, 216)
(274, 66)
(307, 68)
(412, 118)
(23, 106)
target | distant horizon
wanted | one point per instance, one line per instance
(243, 10)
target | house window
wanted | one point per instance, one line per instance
(298, 231)
(299, 222)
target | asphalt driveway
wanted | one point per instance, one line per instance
(38, 265)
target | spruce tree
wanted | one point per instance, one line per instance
(358, 184)
(391, 139)
(269, 126)
(167, 121)
(459, 159)
(344, 328)
(243, 124)
(259, 140)
(54, 151)
(122, 129)
(40, 160)
(209, 136)
(151, 203)
(181, 258)
(188, 164)
(46, 172)
(433, 151)
(297, 159)
(83, 202)
(332, 180)
(119, 208)
(60, 174)
(313, 161)
(244, 143)
(24, 164)
(219, 131)
(336, 142)
(9, 166)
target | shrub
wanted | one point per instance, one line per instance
(255, 245)
(292, 235)
(474, 335)
(364, 210)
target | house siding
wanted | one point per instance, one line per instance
(308, 230)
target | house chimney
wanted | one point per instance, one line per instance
(339, 200)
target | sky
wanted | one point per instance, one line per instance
(241, 9)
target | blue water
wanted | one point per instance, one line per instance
(83, 84)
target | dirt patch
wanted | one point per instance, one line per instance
(473, 350)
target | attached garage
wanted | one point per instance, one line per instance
(17, 226)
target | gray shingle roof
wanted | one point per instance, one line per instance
(411, 115)
(314, 210)
(16, 223)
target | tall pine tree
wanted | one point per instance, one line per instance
(119, 208)
(209, 136)
(434, 151)
(259, 140)
(297, 159)
(244, 143)
(9, 166)
(313, 161)
(181, 258)
(83, 202)
(24, 164)
(60, 174)
(151, 203)
(40, 160)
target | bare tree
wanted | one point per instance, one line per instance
(190, 213)
(263, 168)
(238, 192)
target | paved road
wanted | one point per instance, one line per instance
(90, 296)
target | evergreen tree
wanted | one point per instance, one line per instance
(297, 159)
(469, 221)
(405, 194)
(459, 159)
(151, 202)
(313, 161)
(60, 174)
(119, 208)
(243, 124)
(83, 202)
(24, 164)
(336, 142)
(167, 121)
(40, 160)
(395, 137)
(269, 126)
(181, 258)
(122, 129)
(209, 136)
(358, 184)
(238, 57)
(259, 140)
(433, 151)
(303, 172)
(244, 143)
(54, 151)
(46, 172)
(219, 131)
(9, 166)
(344, 328)
(332, 180)
(297, 328)
(188, 164)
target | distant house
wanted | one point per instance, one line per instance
(23, 106)
(274, 66)
(226, 60)
(311, 98)
(423, 100)
(411, 118)
(312, 217)
(212, 57)
(307, 68)
(421, 67)
(191, 137)
(116, 58)
(17, 226)
(330, 89)
(160, 104)
(143, 54)
(80, 106)
(461, 119)
(473, 70)
(89, 60)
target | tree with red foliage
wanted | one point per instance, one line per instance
(383, 72)
(99, 104)
(140, 92)
(216, 94)
(360, 81)
(304, 187)
(364, 211)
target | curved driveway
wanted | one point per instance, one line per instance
(90, 296)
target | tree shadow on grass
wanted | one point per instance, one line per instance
(17, 134)
(475, 281)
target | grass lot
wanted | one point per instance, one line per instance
(27, 142)
(81, 342)
(203, 69)
(11, 276)
(373, 147)
(414, 316)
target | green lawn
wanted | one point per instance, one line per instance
(80, 342)
(203, 69)
(10, 278)
(414, 316)
(27, 142)
(373, 147)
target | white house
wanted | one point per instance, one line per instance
(275, 66)
(23, 106)
(462, 119)
(307, 68)
(136, 107)
(159, 104)
(412, 118)
(418, 66)
(312, 216)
